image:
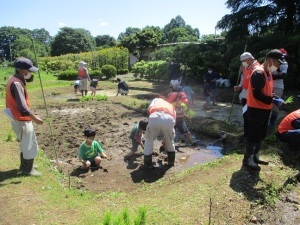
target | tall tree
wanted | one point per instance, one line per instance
(128, 32)
(72, 40)
(105, 41)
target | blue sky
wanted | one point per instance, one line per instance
(110, 17)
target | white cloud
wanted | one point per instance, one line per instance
(61, 24)
(103, 24)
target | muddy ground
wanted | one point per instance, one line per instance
(113, 122)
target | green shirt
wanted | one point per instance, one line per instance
(90, 152)
(134, 130)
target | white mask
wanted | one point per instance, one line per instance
(245, 64)
(272, 68)
(27, 76)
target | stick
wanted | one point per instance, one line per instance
(237, 82)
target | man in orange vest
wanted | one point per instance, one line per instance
(289, 130)
(162, 118)
(84, 77)
(259, 102)
(248, 63)
(17, 103)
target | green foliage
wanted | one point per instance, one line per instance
(67, 75)
(9, 137)
(122, 71)
(156, 70)
(94, 73)
(109, 71)
(124, 218)
(96, 97)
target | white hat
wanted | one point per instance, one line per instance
(83, 63)
(245, 56)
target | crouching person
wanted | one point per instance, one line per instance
(289, 131)
(91, 151)
(161, 119)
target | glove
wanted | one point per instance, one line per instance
(277, 101)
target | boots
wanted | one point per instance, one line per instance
(256, 154)
(148, 161)
(21, 165)
(85, 92)
(171, 158)
(27, 167)
(81, 93)
(273, 119)
(248, 156)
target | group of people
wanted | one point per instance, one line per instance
(261, 100)
(165, 115)
(81, 82)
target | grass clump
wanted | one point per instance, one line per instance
(90, 97)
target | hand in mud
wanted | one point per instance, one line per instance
(109, 158)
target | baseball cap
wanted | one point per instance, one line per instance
(24, 63)
(283, 51)
(89, 132)
(276, 54)
(245, 56)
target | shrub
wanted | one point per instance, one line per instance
(122, 71)
(94, 73)
(67, 75)
(109, 71)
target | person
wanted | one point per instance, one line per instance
(161, 119)
(288, 130)
(136, 134)
(122, 87)
(177, 92)
(17, 102)
(174, 83)
(259, 102)
(91, 151)
(248, 64)
(210, 77)
(84, 77)
(189, 92)
(93, 85)
(278, 87)
(182, 69)
(207, 95)
(172, 70)
(76, 85)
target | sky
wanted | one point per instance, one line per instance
(110, 17)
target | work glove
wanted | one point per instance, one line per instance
(278, 101)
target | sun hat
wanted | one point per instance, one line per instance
(82, 62)
(276, 54)
(24, 63)
(245, 56)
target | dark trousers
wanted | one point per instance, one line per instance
(245, 117)
(292, 138)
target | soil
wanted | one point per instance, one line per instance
(113, 122)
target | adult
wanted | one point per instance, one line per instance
(122, 87)
(278, 87)
(17, 101)
(174, 83)
(210, 77)
(248, 64)
(84, 77)
(289, 130)
(259, 101)
(162, 118)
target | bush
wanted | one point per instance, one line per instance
(109, 71)
(122, 71)
(67, 75)
(94, 73)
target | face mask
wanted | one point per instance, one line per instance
(245, 64)
(272, 68)
(27, 76)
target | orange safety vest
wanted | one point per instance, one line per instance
(173, 96)
(247, 74)
(82, 72)
(267, 90)
(162, 105)
(286, 124)
(11, 102)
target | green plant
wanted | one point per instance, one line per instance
(9, 137)
(109, 71)
(90, 97)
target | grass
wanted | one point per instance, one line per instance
(219, 188)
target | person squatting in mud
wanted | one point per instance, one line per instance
(90, 151)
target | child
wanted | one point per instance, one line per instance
(136, 136)
(76, 85)
(90, 150)
(93, 85)
(189, 92)
(207, 95)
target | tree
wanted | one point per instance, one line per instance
(72, 40)
(250, 17)
(105, 41)
(128, 32)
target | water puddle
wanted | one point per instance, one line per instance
(201, 156)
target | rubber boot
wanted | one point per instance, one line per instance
(148, 161)
(248, 156)
(171, 158)
(256, 158)
(85, 92)
(81, 93)
(21, 157)
(27, 168)
(273, 119)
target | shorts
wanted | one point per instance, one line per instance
(182, 127)
(92, 88)
(135, 145)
